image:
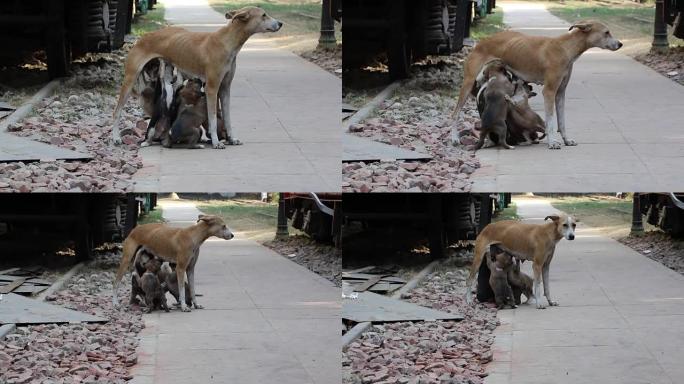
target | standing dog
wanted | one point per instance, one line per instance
(209, 56)
(540, 60)
(177, 245)
(535, 242)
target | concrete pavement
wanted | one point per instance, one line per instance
(285, 109)
(625, 117)
(266, 320)
(620, 319)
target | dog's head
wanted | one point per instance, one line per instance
(254, 20)
(499, 255)
(565, 225)
(597, 35)
(217, 227)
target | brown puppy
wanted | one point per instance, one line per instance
(150, 285)
(142, 256)
(500, 263)
(170, 281)
(177, 245)
(520, 283)
(524, 125)
(192, 112)
(534, 242)
(492, 104)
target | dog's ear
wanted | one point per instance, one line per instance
(237, 15)
(555, 218)
(582, 27)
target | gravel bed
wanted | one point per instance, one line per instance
(322, 259)
(670, 64)
(418, 117)
(440, 352)
(78, 353)
(660, 247)
(78, 117)
(328, 59)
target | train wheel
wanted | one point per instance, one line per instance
(399, 59)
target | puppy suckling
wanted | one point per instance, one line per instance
(524, 125)
(142, 256)
(148, 284)
(500, 263)
(191, 114)
(520, 283)
(169, 279)
(492, 104)
(502, 100)
(164, 108)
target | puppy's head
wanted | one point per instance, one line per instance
(254, 20)
(191, 91)
(217, 227)
(499, 255)
(565, 225)
(153, 265)
(597, 34)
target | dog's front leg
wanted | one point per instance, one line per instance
(537, 269)
(224, 93)
(180, 275)
(560, 109)
(191, 281)
(550, 88)
(211, 92)
(547, 291)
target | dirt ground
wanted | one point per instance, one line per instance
(78, 353)
(323, 259)
(670, 64)
(660, 247)
(330, 60)
(436, 352)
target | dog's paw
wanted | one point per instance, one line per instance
(116, 140)
(219, 145)
(144, 144)
(197, 306)
(553, 303)
(233, 141)
(570, 142)
(554, 144)
(198, 146)
(185, 308)
(541, 306)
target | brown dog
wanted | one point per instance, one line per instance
(176, 245)
(535, 242)
(500, 263)
(539, 60)
(209, 56)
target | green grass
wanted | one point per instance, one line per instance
(510, 213)
(630, 22)
(153, 216)
(256, 219)
(606, 213)
(149, 22)
(488, 26)
(299, 16)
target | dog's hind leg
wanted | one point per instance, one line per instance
(471, 69)
(130, 248)
(134, 65)
(478, 254)
(560, 109)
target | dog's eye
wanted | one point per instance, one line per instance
(574, 225)
(565, 225)
(607, 33)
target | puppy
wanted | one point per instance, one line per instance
(500, 263)
(524, 125)
(142, 256)
(192, 112)
(164, 109)
(148, 87)
(492, 104)
(520, 283)
(169, 279)
(150, 285)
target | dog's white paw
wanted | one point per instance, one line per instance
(553, 303)
(144, 144)
(198, 146)
(197, 306)
(541, 306)
(233, 141)
(116, 140)
(570, 142)
(185, 308)
(219, 145)
(554, 144)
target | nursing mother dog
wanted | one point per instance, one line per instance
(539, 60)
(533, 242)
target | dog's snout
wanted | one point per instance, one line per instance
(280, 24)
(619, 44)
(571, 236)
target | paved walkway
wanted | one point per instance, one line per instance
(626, 118)
(620, 318)
(266, 320)
(285, 109)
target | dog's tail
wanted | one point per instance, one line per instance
(130, 247)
